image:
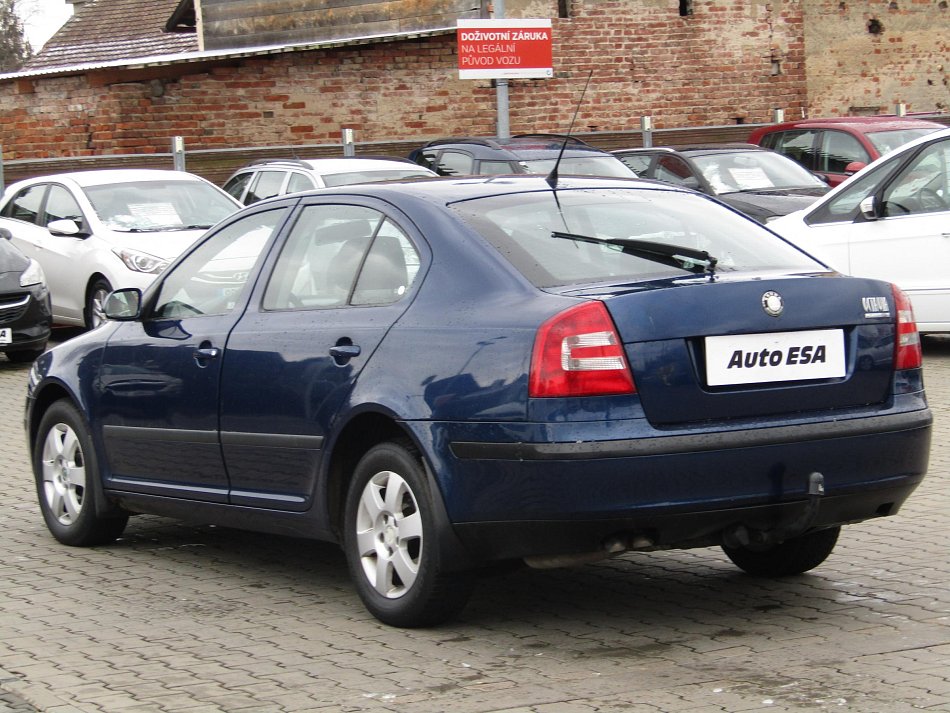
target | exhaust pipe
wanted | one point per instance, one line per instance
(613, 546)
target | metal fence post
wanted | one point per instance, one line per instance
(900, 109)
(646, 127)
(3, 185)
(778, 116)
(178, 152)
(349, 149)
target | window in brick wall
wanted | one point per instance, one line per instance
(686, 8)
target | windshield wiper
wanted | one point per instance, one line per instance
(669, 255)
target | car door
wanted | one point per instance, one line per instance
(342, 278)
(64, 257)
(159, 379)
(21, 216)
(909, 242)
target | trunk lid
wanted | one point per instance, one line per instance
(742, 348)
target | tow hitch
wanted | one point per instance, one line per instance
(742, 536)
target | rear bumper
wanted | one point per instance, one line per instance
(509, 499)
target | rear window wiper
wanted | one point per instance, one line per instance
(677, 256)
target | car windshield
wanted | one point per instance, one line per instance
(345, 179)
(527, 228)
(148, 206)
(609, 166)
(754, 171)
(886, 141)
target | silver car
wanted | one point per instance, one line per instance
(95, 231)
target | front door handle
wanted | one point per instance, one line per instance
(342, 353)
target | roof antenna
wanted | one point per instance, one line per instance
(552, 177)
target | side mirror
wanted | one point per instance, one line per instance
(123, 305)
(868, 208)
(853, 167)
(6, 234)
(66, 227)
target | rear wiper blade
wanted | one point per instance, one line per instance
(670, 255)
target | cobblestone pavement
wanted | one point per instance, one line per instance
(200, 619)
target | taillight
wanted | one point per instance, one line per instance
(907, 352)
(579, 353)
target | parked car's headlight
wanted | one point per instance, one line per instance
(141, 262)
(32, 275)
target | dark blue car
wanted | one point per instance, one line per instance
(448, 374)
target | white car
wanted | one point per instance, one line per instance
(275, 177)
(96, 231)
(891, 221)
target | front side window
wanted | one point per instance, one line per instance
(340, 255)
(923, 186)
(211, 280)
(846, 205)
(25, 205)
(61, 205)
(237, 184)
(562, 238)
(837, 150)
(673, 169)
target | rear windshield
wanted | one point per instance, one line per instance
(609, 166)
(525, 227)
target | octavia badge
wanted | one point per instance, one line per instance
(772, 304)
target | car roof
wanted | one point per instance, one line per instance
(694, 149)
(339, 164)
(98, 177)
(446, 190)
(519, 146)
(861, 124)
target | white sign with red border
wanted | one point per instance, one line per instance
(505, 49)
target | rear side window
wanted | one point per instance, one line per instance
(339, 255)
(638, 163)
(453, 163)
(25, 205)
(300, 182)
(797, 145)
(266, 185)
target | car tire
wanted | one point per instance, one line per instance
(793, 556)
(64, 465)
(390, 541)
(94, 302)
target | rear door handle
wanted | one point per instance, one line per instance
(205, 353)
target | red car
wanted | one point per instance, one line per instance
(839, 147)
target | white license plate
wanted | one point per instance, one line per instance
(6, 336)
(779, 356)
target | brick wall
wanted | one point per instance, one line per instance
(730, 62)
(865, 57)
